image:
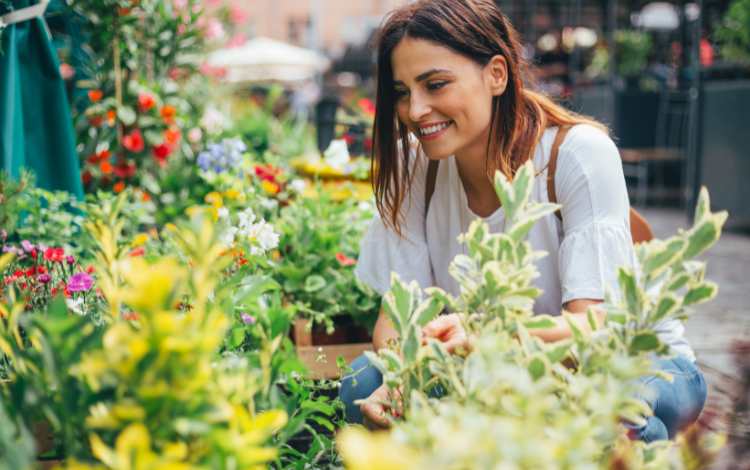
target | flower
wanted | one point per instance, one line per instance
(95, 95)
(298, 185)
(161, 153)
(56, 255)
(267, 172)
(146, 101)
(70, 260)
(247, 319)
(219, 157)
(214, 121)
(43, 278)
(133, 141)
(27, 246)
(214, 29)
(172, 135)
(263, 236)
(105, 167)
(270, 187)
(139, 240)
(118, 187)
(66, 71)
(345, 260)
(367, 106)
(75, 305)
(80, 282)
(168, 113)
(195, 135)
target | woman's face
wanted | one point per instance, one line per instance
(444, 98)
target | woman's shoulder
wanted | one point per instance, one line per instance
(588, 148)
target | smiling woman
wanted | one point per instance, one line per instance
(452, 110)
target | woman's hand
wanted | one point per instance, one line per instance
(448, 330)
(378, 405)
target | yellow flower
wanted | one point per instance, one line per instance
(364, 450)
(215, 199)
(231, 194)
(139, 240)
(270, 187)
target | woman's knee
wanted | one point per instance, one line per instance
(358, 385)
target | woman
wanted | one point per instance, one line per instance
(450, 89)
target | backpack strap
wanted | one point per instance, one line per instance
(432, 168)
(552, 166)
(640, 230)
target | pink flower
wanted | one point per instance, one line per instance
(214, 29)
(179, 4)
(237, 40)
(345, 260)
(237, 15)
(80, 282)
(247, 319)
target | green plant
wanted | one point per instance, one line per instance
(734, 32)
(632, 51)
(514, 400)
(318, 243)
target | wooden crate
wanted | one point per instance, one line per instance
(321, 359)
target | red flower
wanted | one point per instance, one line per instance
(96, 120)
(89, 269)
(118, 187)
(111, 118)
(86, 177)
(124, 170)
(133, 142)
(161, 152)
(345, 260)
(172, 135)
(146, 102)
(367, 106)
(41, 269)
(266, 172)
(95, 95)
(105, 167)
(348, 138)
(136, 252)
(168, 113)
(56, 255)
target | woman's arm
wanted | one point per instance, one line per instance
(384, 331)
(576, 310)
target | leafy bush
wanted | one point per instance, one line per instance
(514, 400)
(734, 32)
(318, 245)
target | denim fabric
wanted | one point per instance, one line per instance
(675, 405)
(363, 380)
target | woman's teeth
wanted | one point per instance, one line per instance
(426, 131)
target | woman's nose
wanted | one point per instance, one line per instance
(418, 108)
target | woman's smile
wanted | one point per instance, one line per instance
(433, 130)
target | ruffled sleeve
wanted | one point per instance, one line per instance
(596, 215)
(382, 251)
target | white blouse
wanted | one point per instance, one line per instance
(583, 252)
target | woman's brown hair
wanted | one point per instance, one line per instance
(478, 30)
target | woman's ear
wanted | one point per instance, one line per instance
(497, 75)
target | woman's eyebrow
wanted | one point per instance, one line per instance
(424, 76)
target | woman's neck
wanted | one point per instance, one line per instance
(479, 189)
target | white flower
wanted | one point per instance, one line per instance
(227, 238)
(223, 213)
(75, 305)
(263, 236)
(246, 219)
(269, 204)
(214, 120)
(298, 185)
(337, 154)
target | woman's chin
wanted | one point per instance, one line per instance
(437, 155)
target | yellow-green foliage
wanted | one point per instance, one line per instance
(515, 401)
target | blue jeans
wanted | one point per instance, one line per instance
(675, 404)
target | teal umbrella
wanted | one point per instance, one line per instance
(36, 130)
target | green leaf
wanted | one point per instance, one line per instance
(314, 283)
(701, 293)
(704, 234)
(630, 290)
(236, 337)
(540, 321)
(126, 114)
(556, 352)
(644, 342)
(411, 345)
(427, 311)
(666, 305)
(376, 362)
(392, 360)
(663, 257)
(537, 367)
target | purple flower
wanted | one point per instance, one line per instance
(43, 278)
(70, 260)
(27, 246)
(247, 319)
(80, 282)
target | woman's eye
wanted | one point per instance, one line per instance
(400, 93)
(436, 85)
